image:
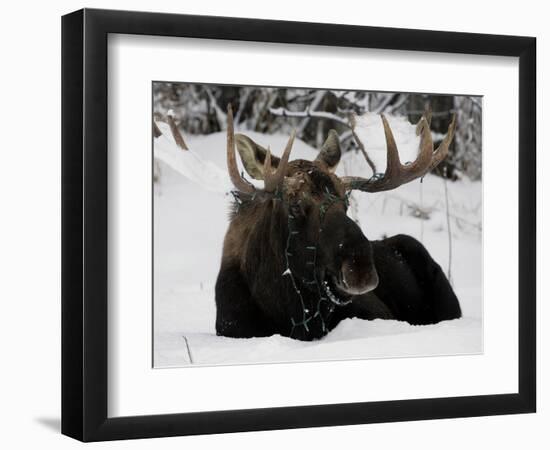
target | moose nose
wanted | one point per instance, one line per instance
(357, 279)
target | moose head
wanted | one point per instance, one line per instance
(291, 253)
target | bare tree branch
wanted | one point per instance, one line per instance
(320, 95)
(370, 162)
(400, 101)
(282, 112)
(156, 130)
(380, 108)
(175, 131)
(242, 104)
(220, 114)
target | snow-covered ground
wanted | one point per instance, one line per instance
(190, 219)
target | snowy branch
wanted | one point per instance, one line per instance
(314, 105)
(382, 105)
(282, 112)
(220, 115)
(400, 101)
(242, 104)
(370, 162)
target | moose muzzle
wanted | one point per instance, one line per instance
(357, 276)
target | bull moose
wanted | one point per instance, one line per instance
(295, 264)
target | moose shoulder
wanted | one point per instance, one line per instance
(295, 264)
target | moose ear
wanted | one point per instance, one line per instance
(253, 156)
(330, 153)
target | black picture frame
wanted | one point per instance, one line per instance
(84, 224)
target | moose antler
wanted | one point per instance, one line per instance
(272, 180)
(396, 173)
(238, 181)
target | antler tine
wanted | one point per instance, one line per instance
(428, 115)
(397, 174)
(274, 181)
(423, 161)
(393, 164)
(425, 119)
(232, 168)
(267, 163)
(443, 150)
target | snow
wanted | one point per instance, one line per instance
(191, 204)
(205, 173)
